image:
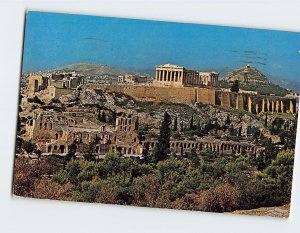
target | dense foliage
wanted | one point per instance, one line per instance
(211, 182)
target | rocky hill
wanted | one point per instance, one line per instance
(247, 75)
(93, 70)
(252, 79)
(97, 72)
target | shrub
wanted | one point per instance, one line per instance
(223, 198)
(36, 100)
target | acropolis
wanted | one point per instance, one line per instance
(54, 131)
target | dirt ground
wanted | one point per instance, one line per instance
(278, 212)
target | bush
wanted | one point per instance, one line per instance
(223, 198)
(29, 147)
(36, 100)
(55, 101)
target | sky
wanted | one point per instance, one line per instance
(55, 40)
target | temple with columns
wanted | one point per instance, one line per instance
(178, 76)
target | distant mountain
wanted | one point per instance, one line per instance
(252, 79)
(93, 70)
(293, 85)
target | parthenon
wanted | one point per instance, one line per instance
(178, 76)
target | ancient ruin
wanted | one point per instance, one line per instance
(54, 85)
(55, 131)
(132, 79)
(177, 76)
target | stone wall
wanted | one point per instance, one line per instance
(150, 93)
(190, 95)
(206, 95)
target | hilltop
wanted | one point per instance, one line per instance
(252, 79)
(94, 70)
(247, 75)
(97, 72)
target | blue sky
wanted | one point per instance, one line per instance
(55, 40)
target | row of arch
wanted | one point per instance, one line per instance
(221, 147)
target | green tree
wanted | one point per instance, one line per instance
(231, 131)
(181, 126)
(91, 153)
(227, 121)
(146, 152)
(192, 122)
(290, 138)
(270, 152)
(29, 147)
(162, 149)
(113, 117)
(282, 166)
(235, 86)
(137, 124)
(175, 127)
(36, 100)
(102, 117)
(266, 120)
(71, 152)
(194, 157)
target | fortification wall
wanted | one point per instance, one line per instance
(150, 93)
(206, 95)
(190, 95)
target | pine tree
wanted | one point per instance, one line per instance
(137, 124)
(90, 155)
(162, 149)
(181, 127)
(227, 121)
(113, 117)
(266, 120)
(235, 86)
(193, 153)
(103, 117)
(175, 127)
(231, 131)
(146, 152)
(192, 122)
(71, 152)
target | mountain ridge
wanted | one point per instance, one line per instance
(93, 69)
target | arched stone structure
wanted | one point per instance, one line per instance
(201, 145)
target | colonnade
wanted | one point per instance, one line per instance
(226, 147)
(164, 75)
